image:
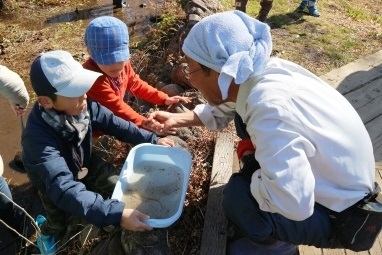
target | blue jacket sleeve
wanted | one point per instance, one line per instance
(126, 131)
(48, 171)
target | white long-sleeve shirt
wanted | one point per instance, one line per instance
(12, 87)
(310, 142)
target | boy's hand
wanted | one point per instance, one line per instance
(162, 133)
(152, 125)
(166, 142)
(177, 99)
(131, 220)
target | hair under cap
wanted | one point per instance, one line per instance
(232, 43)
(107, 39)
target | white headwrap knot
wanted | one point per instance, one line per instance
(232, 43)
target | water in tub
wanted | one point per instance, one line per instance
(154, 189)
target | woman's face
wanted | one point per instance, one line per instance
(206, 83)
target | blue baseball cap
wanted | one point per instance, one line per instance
(107, 39)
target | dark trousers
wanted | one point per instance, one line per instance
(265, 6)
(243, 211)
(117, 3)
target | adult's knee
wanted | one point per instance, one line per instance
(235, 195)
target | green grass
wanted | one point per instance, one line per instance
(346, 31)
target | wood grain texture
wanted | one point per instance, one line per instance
(215, 224)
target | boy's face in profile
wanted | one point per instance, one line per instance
(67, 105)
(113, 70)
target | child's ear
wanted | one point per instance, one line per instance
(45, 102)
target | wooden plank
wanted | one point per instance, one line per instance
(333, 252)
(377, 247)
(235, 161)
(215, 224)
(361, 71)
(349, 252)
(309, 250)
(360, 82)
(367, 101)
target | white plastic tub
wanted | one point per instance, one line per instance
(154, 180)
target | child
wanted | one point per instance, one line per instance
(57, 149)
(265, 8)
(107, 41)
(312, 9)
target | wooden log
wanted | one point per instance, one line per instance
(215, 224)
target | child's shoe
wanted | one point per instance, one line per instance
(313, 11)
(46, 244)
(302, 6)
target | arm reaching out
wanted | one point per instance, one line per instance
(174, 120)
(12, 87)
(177, 99)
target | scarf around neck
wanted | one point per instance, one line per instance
(71, 128)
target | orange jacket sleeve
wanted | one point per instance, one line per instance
(111, 96)
(142, 89)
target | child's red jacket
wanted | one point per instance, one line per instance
(107, 92)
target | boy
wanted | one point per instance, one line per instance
(107, 41)
(57, 149)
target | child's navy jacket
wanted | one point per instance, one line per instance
(52, 168)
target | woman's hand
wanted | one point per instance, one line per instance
(18, 110)
(164, 118)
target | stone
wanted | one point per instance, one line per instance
(173, 89)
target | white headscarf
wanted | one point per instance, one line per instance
(232, 43)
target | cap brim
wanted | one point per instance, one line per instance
(121, 54)
(81, 83)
